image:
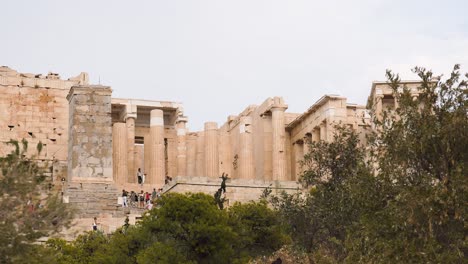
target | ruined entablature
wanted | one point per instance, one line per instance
(234, 120)
(10, 77)
(140, 109)
(272, 103)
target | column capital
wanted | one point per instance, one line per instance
(278, 108)
(272, 104)
(129, 111)
(278, 104)
(128, 116)
(181, 119)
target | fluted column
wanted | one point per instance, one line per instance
(299, 157)
(211, 149)
(279, 151)
(200, 155)
(130, 124)
(246, 167)
(191, 155)
(309, 138)
(119, 152)
(181, 147)
(157, 160)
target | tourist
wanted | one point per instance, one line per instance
(95, 224)
(154, 194)
(141, 197)
(140, 176)
(124, 198)
(149, 206)
(133, 198)
(147, 197)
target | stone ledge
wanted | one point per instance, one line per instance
(237, 190)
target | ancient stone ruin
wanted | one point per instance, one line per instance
(95, 143)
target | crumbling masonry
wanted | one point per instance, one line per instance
(95, 143)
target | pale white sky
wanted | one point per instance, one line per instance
(217, 57)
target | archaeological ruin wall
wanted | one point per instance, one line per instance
(34, 107)
(94, 138)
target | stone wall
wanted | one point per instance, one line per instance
(90, 134)
(34, 107)
(237, 190)
(90, 187)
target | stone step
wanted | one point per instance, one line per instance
(94, 199)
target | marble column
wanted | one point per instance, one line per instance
(299, 157)
(147, 152)
(279, 151)
(200, 156)
(309, 138)
(225, 159)
(157, 160)
(131, 174)
(323, 131)
(181, 147)
(315, 137)
(211, 150)
(246, 166)
(119, 153)
(191, 155)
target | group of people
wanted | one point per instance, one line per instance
(141, 200)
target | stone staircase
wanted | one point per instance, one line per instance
(94, 199)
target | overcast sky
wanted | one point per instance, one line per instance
(217, 57)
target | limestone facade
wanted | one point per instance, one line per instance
(382, 96)
(92, 137)
(35, 107)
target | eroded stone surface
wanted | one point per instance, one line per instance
(96, 143)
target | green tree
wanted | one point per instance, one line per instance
(194, 225)
(336, 176)
(422, 154)
(259, 229)
(182, 228)
(28, 209)
(401, 199)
